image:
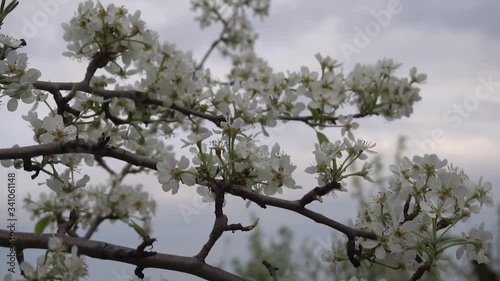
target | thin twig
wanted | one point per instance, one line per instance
(220, 225)
(296, 206)
(64, 226)
(210, 50)
(420, 272)
(273, 270)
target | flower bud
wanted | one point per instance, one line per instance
(466, 212)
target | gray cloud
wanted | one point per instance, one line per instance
(454, 42)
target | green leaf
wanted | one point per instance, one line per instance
(138, 229)
(4, 11)
(321, 137)
(316, 114)
(42, 224)
(264, 131)
(74, 90)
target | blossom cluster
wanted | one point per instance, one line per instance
(414, 216)
(110, 33)
(55, 264)
(234, 158)
(238, 33)
(15, 76)
(265, 96)
(113, 201)
(257, 94)
(377, 91)
(333, 160)
(96, 29)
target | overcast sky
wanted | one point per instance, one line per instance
(455, 43)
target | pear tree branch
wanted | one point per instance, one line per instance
(107, 251)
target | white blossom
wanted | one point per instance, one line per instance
(56, 130)
(172, 171)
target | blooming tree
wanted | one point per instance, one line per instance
(136, 90)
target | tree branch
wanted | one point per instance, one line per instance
(319, 191)
(76, 146)
(82, 146)
(296, 206)
(210, 50)
(239, 226)
(95, 224)
(272, 270)
(104, 165)
(98, 61)
(137, 96)
(62, 103)
(220, 225)
(308, 118)
(106, 251)
(484, 271)
(420, 272)
(63, 226)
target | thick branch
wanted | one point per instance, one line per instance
(20, 258)
(76, 146)
(221, 221)
(82, 146)
(107, 251)
(136, 96)
(141, 97)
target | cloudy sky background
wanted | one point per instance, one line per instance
(455, 43)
